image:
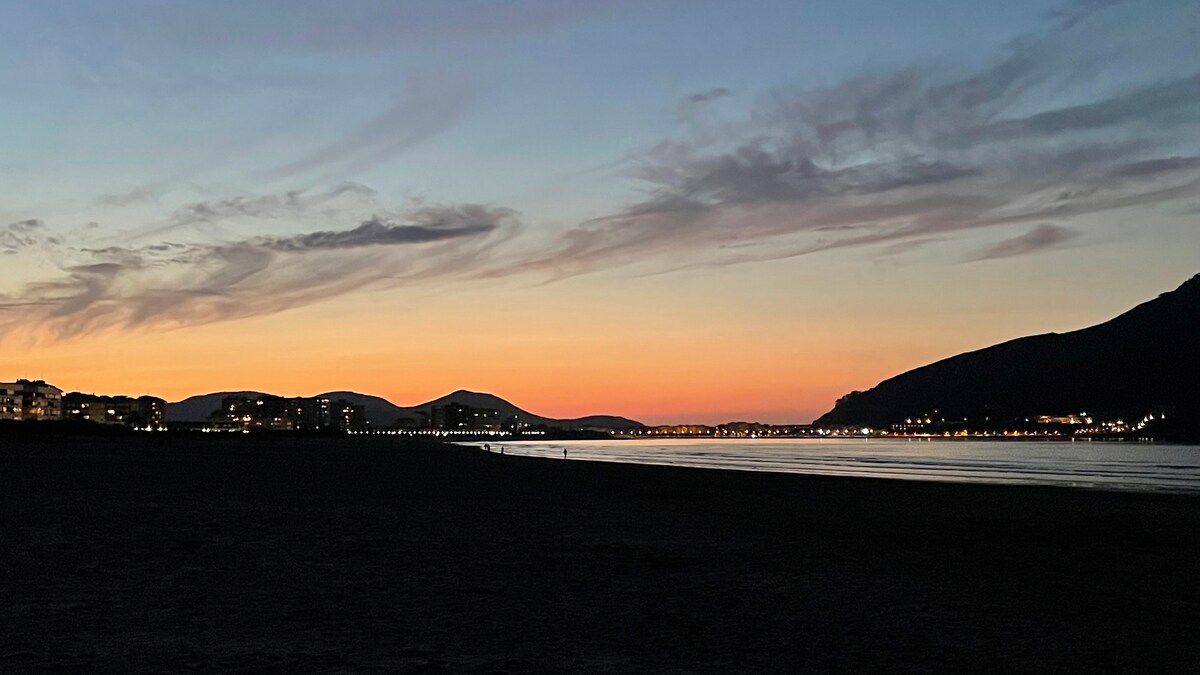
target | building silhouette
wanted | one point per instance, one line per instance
(464, 417)
(309, 414)
(241, 413)
(348, 416)
(142, 412)
(30, 400)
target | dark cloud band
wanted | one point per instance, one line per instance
(176, 284)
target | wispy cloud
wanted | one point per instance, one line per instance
(138, 195)
(427, 106)
(227, 216)
(1040, 237)
(706, 96)
(25, 234)
(1075, 11)
(376, 231)
(886, 163)
(183, 284)
(916, 154)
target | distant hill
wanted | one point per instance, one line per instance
(1147, 358)
(198, 408)
(481, 400)
(382, 412)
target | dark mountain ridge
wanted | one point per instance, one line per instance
(382, 412)
(1144, 360)
(477, 399)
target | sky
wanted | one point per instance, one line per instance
(673, 210)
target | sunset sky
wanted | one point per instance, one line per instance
(673, 210)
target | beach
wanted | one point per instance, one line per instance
(377, 554)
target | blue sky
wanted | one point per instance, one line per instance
(114, 96)
(172, 165)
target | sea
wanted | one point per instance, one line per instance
(1111, 465)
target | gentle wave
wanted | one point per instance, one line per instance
(1108, 465)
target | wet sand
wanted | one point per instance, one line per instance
(376, 555)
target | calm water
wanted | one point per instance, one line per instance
(1110, 465)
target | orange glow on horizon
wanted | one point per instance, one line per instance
(681, 351)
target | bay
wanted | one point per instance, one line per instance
(1113, 465)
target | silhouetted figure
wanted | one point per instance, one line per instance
(564, 453)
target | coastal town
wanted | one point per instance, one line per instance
(30, 400)
(37, 400)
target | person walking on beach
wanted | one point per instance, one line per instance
(564, 453)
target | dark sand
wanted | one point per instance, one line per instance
(370, 555)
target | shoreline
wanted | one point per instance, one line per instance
(939, 438)
(591, 451)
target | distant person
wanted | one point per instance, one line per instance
(564, 453)
(487, 447)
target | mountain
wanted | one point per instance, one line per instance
(1144, 360)
(490, 401)
(198, 408)
(382, 412)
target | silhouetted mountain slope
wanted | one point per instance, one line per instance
(198, 408)
(382, 412)
(1147, 358)
(478, 400)
(490, 401)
